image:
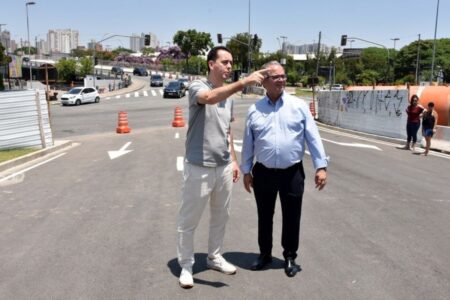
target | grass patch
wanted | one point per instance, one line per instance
(14, 153)
(303, 93)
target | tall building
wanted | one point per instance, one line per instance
(306, 48)
(98, 46)
(5, 39)
(62, 41)
(137, 42)
(42, 46)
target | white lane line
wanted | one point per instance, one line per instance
(374, 140)
(180, 165)
(177, 135)
(30, 168)
(161, 92)
(153, 92)
(107, 98)
(353, 145)
(118, 97)
(145, 94)
(237, 144)
(127, 96)
(136, 94)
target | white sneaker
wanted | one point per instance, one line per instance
(220, 264)
(186, 279)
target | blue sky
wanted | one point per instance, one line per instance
(299, 20)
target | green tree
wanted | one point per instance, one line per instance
(406, 59)
(81, 52)
(239, 44)
(24, 51)
(86, 66)
(196, 65)
(3, 61)
(67, 69)
(148, 51)
(192, 43)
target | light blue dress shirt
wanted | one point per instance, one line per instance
(275, 134)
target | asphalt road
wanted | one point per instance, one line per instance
(83, 226)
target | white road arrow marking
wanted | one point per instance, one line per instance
(177, 135)
(237, 145)
(120, 152)
(180, 163)
(354, 145)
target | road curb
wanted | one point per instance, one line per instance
(58, 145)
(363, 134)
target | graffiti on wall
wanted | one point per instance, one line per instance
(379, 102)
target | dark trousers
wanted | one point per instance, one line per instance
(411, 131)
(289, 183)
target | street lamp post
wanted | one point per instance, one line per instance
(29, 45)
(395, 55)
(417, 60)
(434, 43)
(249, 41)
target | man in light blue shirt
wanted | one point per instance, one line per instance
(277, 128)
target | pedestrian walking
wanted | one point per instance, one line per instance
(414, 111)
(429, 123)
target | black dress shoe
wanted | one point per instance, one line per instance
(290, 267)
(261, 261)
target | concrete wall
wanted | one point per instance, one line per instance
(380, 112)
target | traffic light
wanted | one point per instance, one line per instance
(147, 40)
(219, 38)
(255, 40)
(344, 40)
(95, 61)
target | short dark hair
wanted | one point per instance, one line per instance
(414, 97)
(212, 54)
(431, 104)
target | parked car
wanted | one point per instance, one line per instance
(140, 71)
(156, 80)
(337, 87)
(79, 95)
(174, 89)
(184, 82)
(117, 70)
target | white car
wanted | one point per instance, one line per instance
(79, 95)
(337, 87)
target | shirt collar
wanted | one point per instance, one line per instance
(280, 99)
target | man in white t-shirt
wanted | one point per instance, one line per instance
(210, 167)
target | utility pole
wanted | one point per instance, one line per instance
(318, 53)
(283, 50)
(417, 61)
(249, 41)
(434, 44)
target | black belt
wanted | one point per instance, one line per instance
(296, 165)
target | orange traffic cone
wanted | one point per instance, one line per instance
(178, 120)
(122, 127)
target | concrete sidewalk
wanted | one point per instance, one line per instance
(436, 145)
(21, 161)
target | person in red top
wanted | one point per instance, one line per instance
(414, 111)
